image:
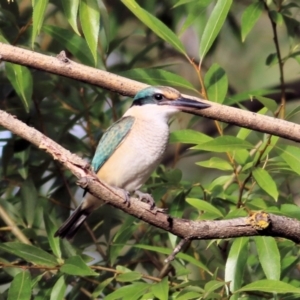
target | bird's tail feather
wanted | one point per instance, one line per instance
(69, 228)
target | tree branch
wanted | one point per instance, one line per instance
(61, 65)
(277, 226)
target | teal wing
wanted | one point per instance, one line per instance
(110, 141)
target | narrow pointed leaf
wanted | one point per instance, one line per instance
(155, 25)
(203, 205)
(270, 286)
(29, 199)
(29, 253)
(250, 17)
(51, 229)
(266, 182)
(291, 155)
(102, 285)
(181, 2)
(39, 8)
(129, 277)
(161, 289)
(104, 20)
(236, 262)
(269, 256)
(216, 163)
(59, 289)
(74, 43)
(216, 83)
(71, 10)
(213, 26)
(20, 287)
(267, 102)
(76, 266)
(224, 144)
(21, 80)
(188, 136)
(89, 14)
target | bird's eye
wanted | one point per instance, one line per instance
(158, 96)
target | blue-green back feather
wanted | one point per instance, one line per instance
(110, 141)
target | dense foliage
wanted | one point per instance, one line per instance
(238, 53)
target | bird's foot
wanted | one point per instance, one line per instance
(148, 198)
(127, 197)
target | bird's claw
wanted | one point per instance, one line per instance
(148, 198)
(126, 197)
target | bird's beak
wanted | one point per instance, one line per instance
(184, 103)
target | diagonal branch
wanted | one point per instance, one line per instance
(277, 226)
(61, 65)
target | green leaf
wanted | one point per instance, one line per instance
(269, 256)
(270, 104)
(291, 155)
(161, 289)
(213, 285)
(203, 205)
(181, 2)
(29, 253)
(276, 17)
(290, 210)
(213, 26)
(236, 263)
(128, 292)
(59, 289)
(272, 59)
(104, 20)
(269, 286)
(71, 9)
(188, 136)
(189, 295)
(21, 80)
(157, 26)
(158, 77)
(176, 210)
(76, 266)
(129, 277)
(39, 8)
(20, 287)
(216, 163)
(51, 229)
(224, 144)
(250, 17)
(29, 199)
(121, 238)
(74, 43)
(89, 14)
(103, 284)
(266, 182)
(216, 83)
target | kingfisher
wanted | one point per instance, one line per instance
(131, 149)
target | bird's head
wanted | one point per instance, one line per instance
(166, 100)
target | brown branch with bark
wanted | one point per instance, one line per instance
(273, 225)
(61, 65)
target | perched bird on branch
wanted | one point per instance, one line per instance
(131, 149)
